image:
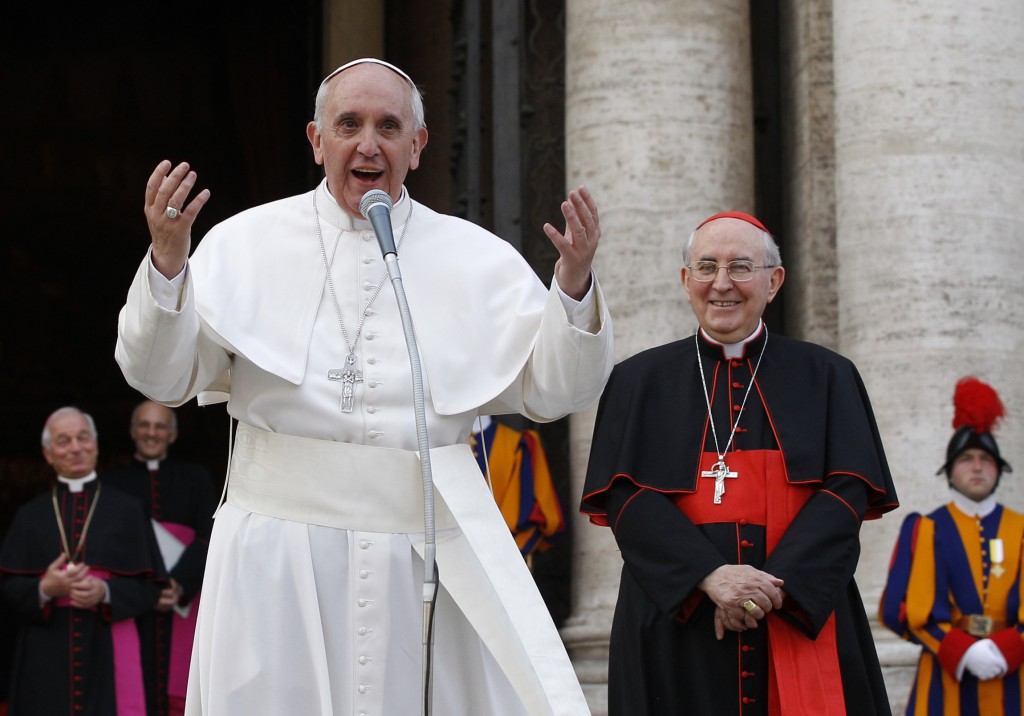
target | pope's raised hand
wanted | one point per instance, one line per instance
(170, 219)
(577, 246)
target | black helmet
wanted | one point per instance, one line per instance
(977, 409)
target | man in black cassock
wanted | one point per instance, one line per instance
(179, 497)
(735, 468)
(78, 562)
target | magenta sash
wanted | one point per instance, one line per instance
(183, 632)
(128, 689)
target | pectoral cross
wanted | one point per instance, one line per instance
(348, 376)
(719, 471)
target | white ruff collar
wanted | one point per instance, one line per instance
(971, 508)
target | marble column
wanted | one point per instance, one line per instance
(807, 121)
(659, 125)
(930, 217)
(352, 29)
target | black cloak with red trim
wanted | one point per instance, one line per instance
(64, 661)
(808, 407)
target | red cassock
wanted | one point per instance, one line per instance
(809, 469)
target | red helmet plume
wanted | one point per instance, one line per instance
(976, 404)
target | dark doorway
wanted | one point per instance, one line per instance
(95, 96)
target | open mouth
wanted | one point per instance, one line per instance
(367, 175)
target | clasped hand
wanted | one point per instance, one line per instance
(984, 660)
(730, 586)
(73, 581)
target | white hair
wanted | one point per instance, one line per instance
(771, 249)
(47, 439)
(321, 94)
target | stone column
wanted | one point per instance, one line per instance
(808, 170)
(659, 125)
(930, 217)
(352, 29)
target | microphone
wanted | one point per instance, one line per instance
(376, 207)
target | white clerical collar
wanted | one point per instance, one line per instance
(333, 214)
(77, 484)
(971, 508)
(734, 350)
(152, 465)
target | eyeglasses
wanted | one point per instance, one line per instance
(739, 270)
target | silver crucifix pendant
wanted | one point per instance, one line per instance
(719, 471)
(348, 377)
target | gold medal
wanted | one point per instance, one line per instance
(995, 551)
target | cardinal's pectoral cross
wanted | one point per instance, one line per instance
(348, 377)
(719, 471)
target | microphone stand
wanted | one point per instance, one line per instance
(430, 580)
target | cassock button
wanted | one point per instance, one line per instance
(365, 544)
(362, 631)
(737, 408)
(364, 659)
(362, 689)
(364, 573)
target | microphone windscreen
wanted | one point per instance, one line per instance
(374, 196)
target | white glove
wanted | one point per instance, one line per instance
(984, 660)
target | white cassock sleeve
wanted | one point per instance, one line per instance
(162, 348)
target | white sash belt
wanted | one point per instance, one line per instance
(314, 481)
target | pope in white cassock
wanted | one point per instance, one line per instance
(312, 600)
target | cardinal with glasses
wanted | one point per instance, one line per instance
(735, 468)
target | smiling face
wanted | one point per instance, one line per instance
(369, 138)
(153, 431)
(728, 310)
(73, 449)
(974, 474)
